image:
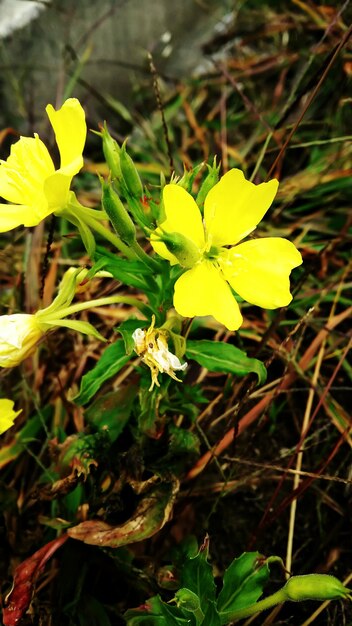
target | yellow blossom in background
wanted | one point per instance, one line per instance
(19, 335)
(28, 179)
(151, 345)
(258, 269)
(7, 414)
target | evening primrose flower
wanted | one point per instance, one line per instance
(7, 414)
(213, 257)
(151, 345)
(28, 179)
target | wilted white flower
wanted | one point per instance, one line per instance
(151, 345)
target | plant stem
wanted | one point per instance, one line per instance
(85, 215)
(143, 256)
(107, 234)
(276, 598)
(82, 306)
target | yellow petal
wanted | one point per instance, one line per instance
(258, 270)
(13, 215)
(182, 216)
(56, 189)
(203, 291)
(23, 174)
(7, 414)
(70, 129)
(234, 207)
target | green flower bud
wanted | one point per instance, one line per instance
(188, 177)
(188, 600)
(315, 587)
(185, 251)
(117, 214)
(129, 173)
(211, 179)
(167, 577)
(111, 151)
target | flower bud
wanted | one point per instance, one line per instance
(117, 214)
(210, 180)
(188, 177)
(7, 414)
(129, 173)
(19, 334)
(111, 151)
(185, 251)
(315, 587)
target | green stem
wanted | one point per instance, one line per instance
(107, 234)
(81, 306)
(267, 603)
(84, 214)
(143, 256)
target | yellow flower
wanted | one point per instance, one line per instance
(7, 414)
(258, 269)
(28, 180)
(19, 335)
(151, 345)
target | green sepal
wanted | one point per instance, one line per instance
(211, 179)
(81, 327)
(189, 176)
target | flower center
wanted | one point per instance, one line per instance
(212, 254)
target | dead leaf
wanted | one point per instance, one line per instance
(153, 511)
(26, 574)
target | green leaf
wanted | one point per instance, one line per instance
(111, 412)
(77, 325)
(183, 447)
(212, 616)
(133, 273)
(112, 360)
(148, 614)
(197, 576)
(243, 584)
(173, 616)
(156, 613)
(217, 356)
(150, 423)
(91, 612)
(127, 328)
